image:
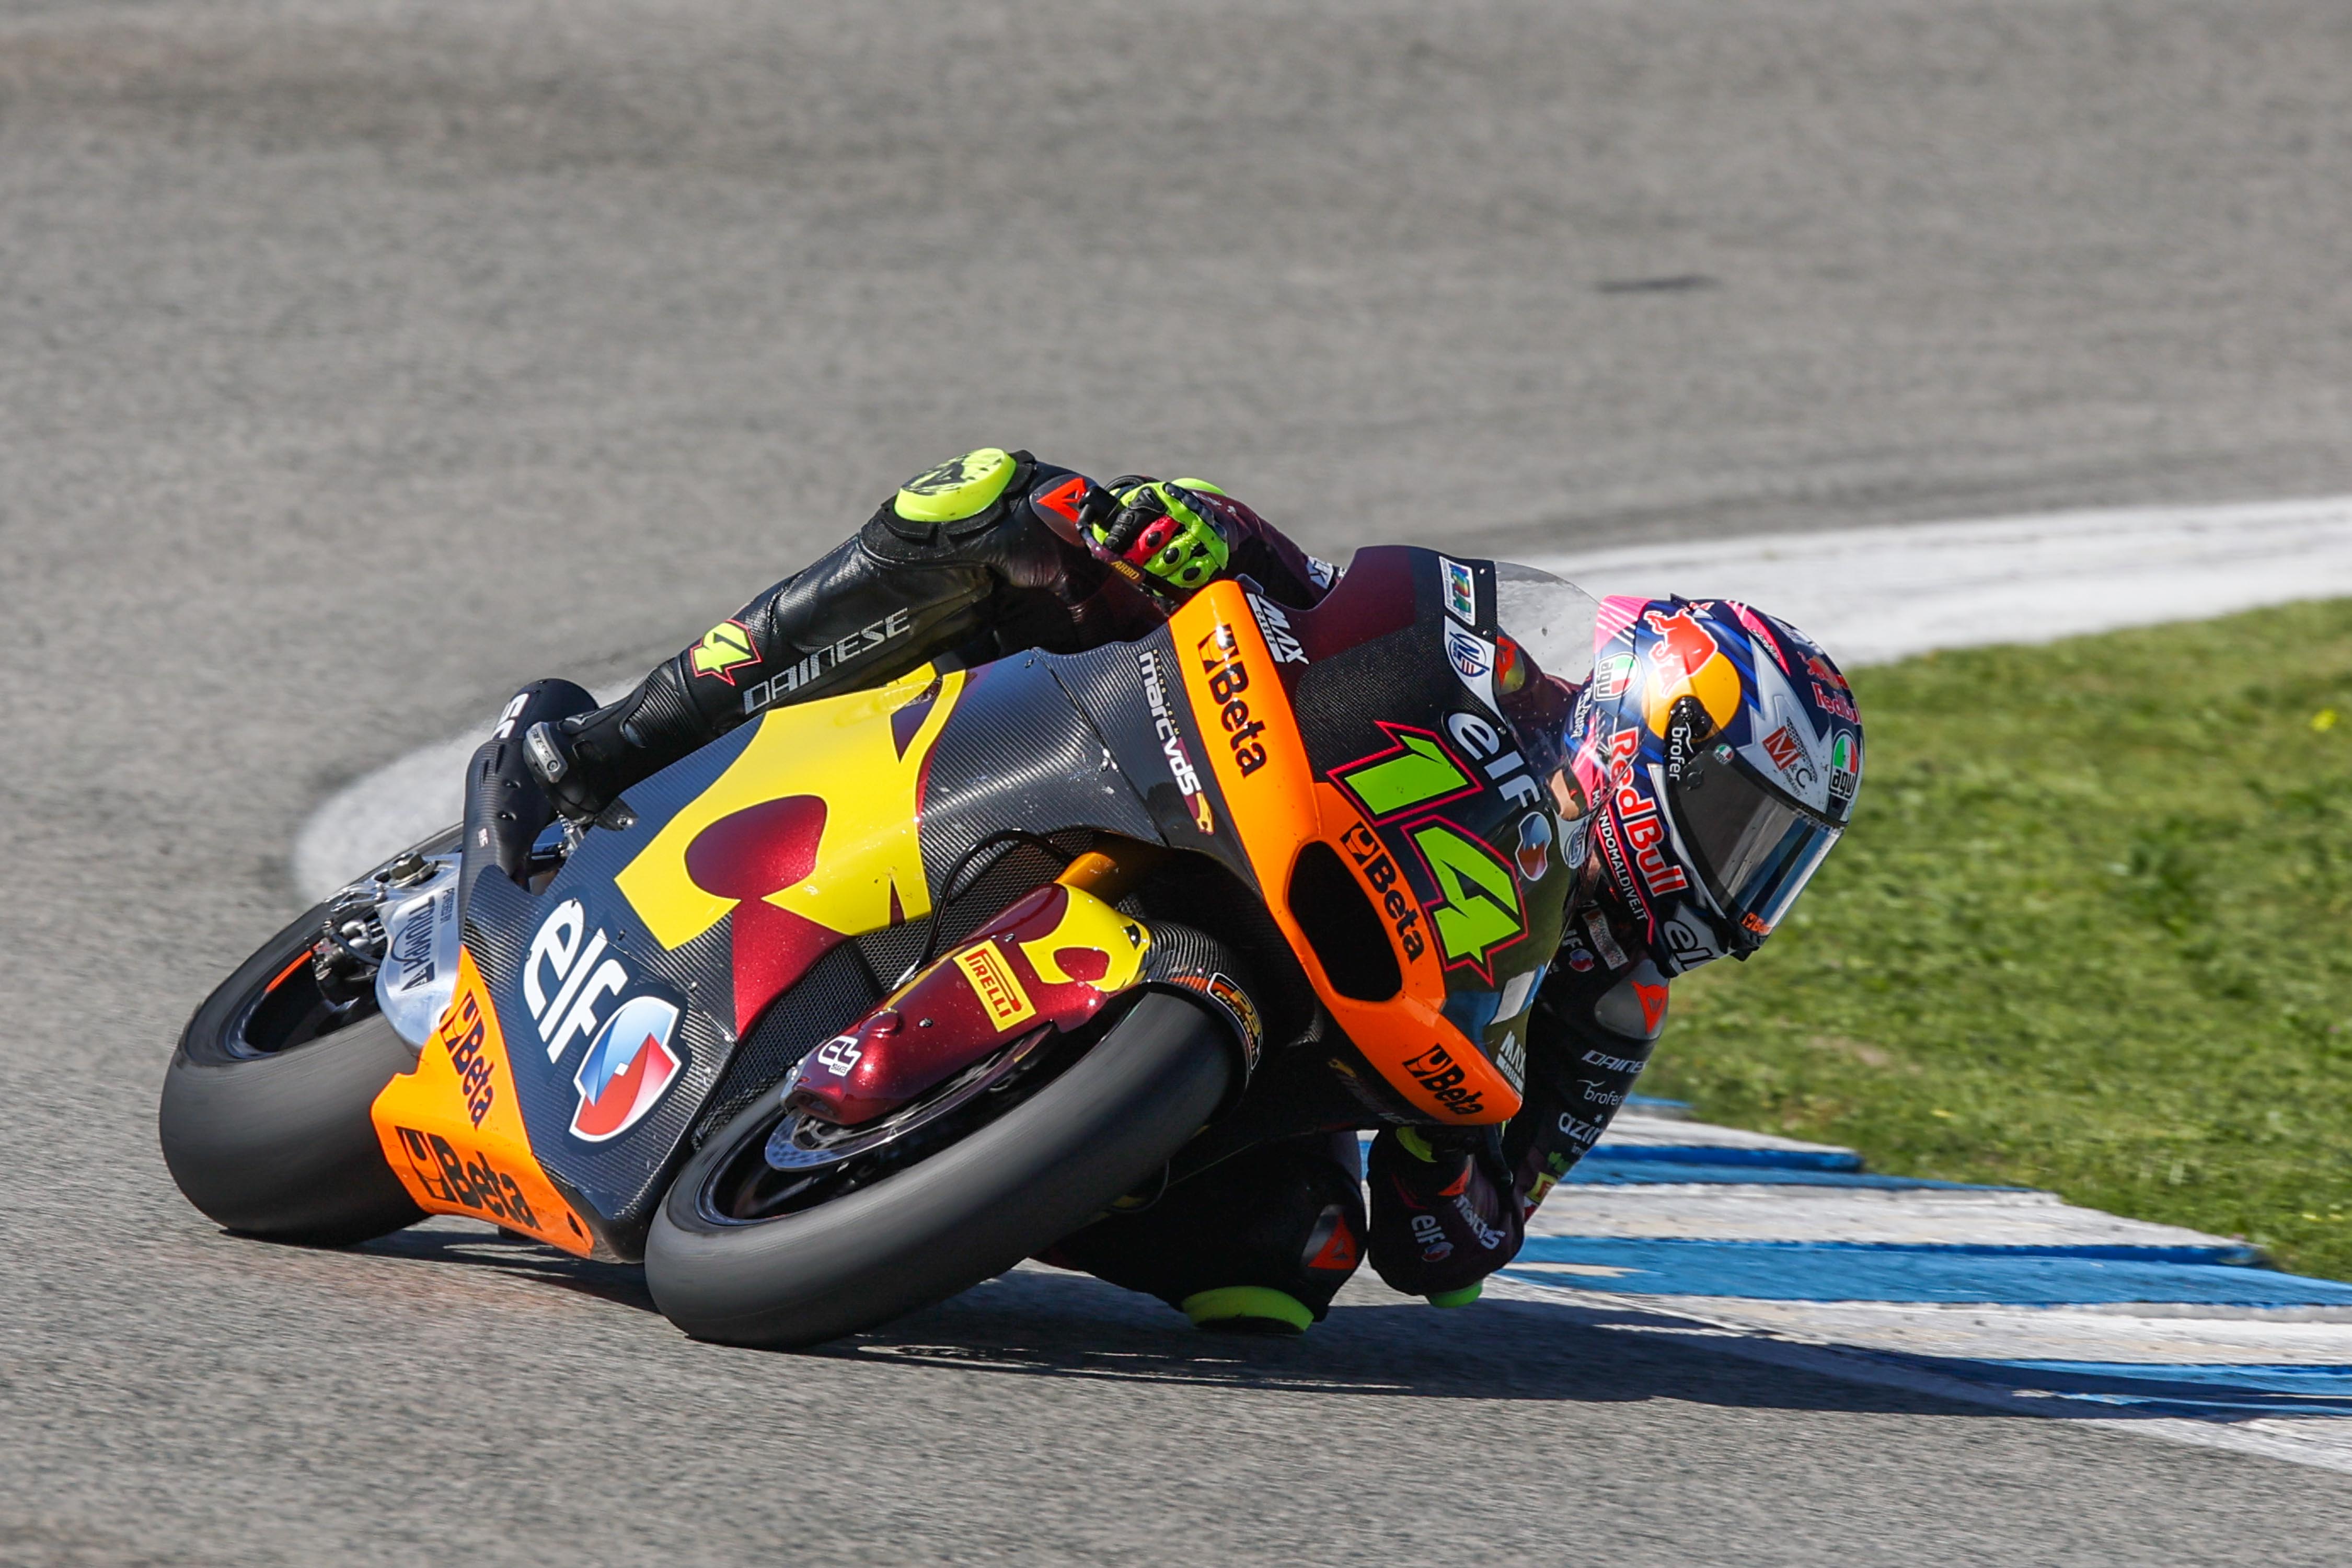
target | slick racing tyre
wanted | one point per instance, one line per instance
(265, 1121)
(955, 1216)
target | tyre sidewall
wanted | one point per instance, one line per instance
(283, 1146)
(1041, 1171)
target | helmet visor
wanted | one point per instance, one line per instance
(1755, 845)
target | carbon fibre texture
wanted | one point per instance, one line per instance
(830, 997)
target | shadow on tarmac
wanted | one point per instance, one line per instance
(1046, 1323)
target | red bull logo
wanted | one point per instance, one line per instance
(1687, 661)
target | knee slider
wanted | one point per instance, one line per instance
(961, 497)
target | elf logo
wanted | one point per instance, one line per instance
(564, 979)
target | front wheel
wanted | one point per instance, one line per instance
(265, 1119)
(1017, 1185)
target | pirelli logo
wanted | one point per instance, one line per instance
(998, 988)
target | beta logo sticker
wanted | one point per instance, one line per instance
(722, 650)
(1436, 1070)
(469, 1182)
(998, 988)
(1220, 660)
(629, 1064)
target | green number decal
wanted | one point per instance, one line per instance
(1480, 911)
(1417, 772)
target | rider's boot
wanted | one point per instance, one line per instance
(1257, 1245)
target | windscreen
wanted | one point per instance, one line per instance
(1553, 620)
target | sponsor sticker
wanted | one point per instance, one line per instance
(506, 716)
(1503, 765)
(1787, 754)
(1473, 657)
(1535, 845)
(628, 1068)
(1279, 637)
(838, 1056)
(1172, 745)
(462, 1032)
(1612, 675)
(831, 656)
(1436, 1070)
(464, 1181)
(1511, 1061)
(1846, 766)
(1461, 589)
(1635, 841)
(999, 989)
(724, 650)
(1220, 660)
(569, 975)
(1372, 858)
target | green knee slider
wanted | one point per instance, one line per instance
(1248, 1309)
(958, 489)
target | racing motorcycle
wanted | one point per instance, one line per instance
(879, 994)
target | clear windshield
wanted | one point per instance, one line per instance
(1552, 619)
(1545, 655)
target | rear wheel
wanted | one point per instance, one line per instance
(265, 1119)
(735, 1257)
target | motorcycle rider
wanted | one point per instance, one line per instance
(996, 552)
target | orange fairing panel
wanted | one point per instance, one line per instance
(1279, 807)
(454, 1134)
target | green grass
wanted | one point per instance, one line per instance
(2086, 932)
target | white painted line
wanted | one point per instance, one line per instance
(1871, 594)
(2323, 1442)
(2138, 1333)
(1680, 1132)
(1899, 1217)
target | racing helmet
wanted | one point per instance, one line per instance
(1718, 751)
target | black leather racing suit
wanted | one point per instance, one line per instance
(1288, 1215)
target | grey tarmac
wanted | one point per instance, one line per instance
(359, 359)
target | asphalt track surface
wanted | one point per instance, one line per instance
(358, 361)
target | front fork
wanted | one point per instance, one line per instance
(1053, 960)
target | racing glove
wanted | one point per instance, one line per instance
(579, 779)
(1162, 535)
(1442, 1215)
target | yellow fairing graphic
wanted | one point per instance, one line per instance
(1108, 945)
(846, 758)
